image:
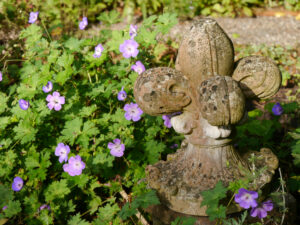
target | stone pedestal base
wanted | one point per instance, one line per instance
(162, 215)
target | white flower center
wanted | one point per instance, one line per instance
(118, 147)
(77, 165)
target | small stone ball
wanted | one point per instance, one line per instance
(258, 77)
(221, 101)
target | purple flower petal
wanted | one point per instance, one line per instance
(83, 23)
(122, 95)
(259, 212)
(133, 112)
(0, 76)
(48, 87)
(23, 104)
(33, 17)
(246, 199)
(117, 148)
(132, 31)
(74, 166)
(17, 184)
(129, 48)
(62, 151)
(98, 51)
(55, 101)
(138, 67)
(277, 109)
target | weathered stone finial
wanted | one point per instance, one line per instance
(210, 91)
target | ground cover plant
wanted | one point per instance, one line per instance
(73, 143)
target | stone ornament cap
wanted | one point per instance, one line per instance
(205, 51)
(258, 76)
(161, 91)
(221, 101)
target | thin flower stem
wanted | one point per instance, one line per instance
(4, 57)
(46, 30)
(90, 79)
(283, 198)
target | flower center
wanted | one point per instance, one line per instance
(118, 147)
(132, 111)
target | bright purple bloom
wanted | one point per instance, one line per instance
(48, 87)
(4, 208)
(45, 206)
(83, 23)
(0, 76)
(122, 95)
(277, 109)
(117, 148)
(133, 112)
(98, 51)
(17, 184)
(167, 121)
(261, 212)
(132, 31)
(138, 67)
(23, 104)
(246, 199)
(74, 166)
(33, 17)
(55, 101)
(129, 48)
(62, 151)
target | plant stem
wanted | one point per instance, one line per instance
(283, 198)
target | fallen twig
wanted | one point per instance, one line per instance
(138, 214)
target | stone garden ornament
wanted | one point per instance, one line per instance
(210, 90)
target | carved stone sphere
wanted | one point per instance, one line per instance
(221, 101)
(258, 76)
(161, 90)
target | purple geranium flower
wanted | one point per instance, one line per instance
(167, 120)
(44, 206)
(174, 146)
(83, 23)
(33, 17)
(261, 212)
(74, 166)
(132, 31)
(277, 109)
(129, 48)
(48, 87)
(138, 67)
(117, 148)
(23, 104)
(0, 76)
(62, 151)
(245, 198)
(4, 208)
(133, 112)
(17, 184)
(55, 101)
(98, 51)
(122, 95)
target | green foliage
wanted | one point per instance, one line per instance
(143, 201)
(91, 117)
(240, 221)
(211, 199)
